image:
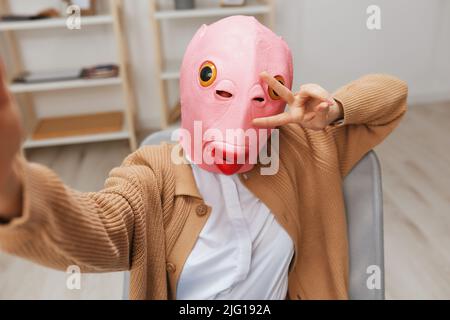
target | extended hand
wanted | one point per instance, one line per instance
(312, 107)
(10, 140)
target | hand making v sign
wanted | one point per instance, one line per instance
(312, 107)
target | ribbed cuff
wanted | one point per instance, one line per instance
(351, 100)
(29, 179)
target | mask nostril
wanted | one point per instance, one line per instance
(258, 99)
(224, 94)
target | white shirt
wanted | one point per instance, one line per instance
(242, 252)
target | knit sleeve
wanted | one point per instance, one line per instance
(373, 106)
(60, 227)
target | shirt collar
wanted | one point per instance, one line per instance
(185, 184)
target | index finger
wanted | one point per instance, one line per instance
(278, 87)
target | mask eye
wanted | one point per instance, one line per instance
(272, 93)
(207, 74)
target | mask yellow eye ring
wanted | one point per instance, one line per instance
(272, 92)
(207, 74)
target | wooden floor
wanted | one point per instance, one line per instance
(416, 181)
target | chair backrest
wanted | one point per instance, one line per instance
(364, 209)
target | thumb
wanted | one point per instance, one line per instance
(323, 108)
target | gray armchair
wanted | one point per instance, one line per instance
(364, 208)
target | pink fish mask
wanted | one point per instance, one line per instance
(221, 92)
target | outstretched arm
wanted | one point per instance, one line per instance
(58, 227)
(43, 220)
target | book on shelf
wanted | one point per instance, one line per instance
(45, 14)
(102, 71)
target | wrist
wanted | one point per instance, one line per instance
(336, 112)
(10, 197)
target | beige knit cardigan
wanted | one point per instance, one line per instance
(149, 214)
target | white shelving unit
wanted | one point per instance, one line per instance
(119, 125)
(169, 70)
(213, 12)
(54, 23)
(63, 85)
(124, 134)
